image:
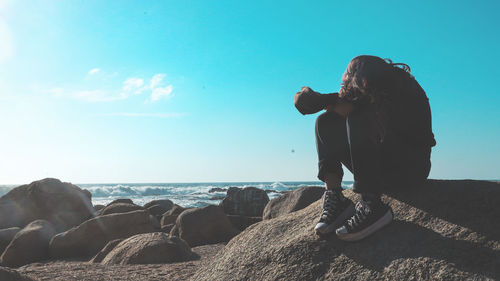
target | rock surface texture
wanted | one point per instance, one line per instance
(7, 274)
(118, 208)
(443, 230)
(292, 201)
(6, 236)
(202, 226)
(29, 245)
(249, 201)
(105, 251)
(149, 248)
(172, 214)
(91, 236)
(63, 204)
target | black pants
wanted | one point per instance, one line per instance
(376, 165)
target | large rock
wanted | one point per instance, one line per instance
(121, 200)
(6, 235)
(292, 201)
(105, 251)
(157, 211)
(443, 230)
(118, 208)
(29, 245)
(149, 248)
(242, 222)
(8, 274)
(201, 226)
(171, 216)
(91, 236)
(165, 203)
(249, 201)
(63, 204)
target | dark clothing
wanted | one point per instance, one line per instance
(382, 145)
(375, 166)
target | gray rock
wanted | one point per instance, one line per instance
(242, 222)
(202, 226)
(63, 204)
(167, 228)
(157, 211)
(249, 201)
(442, 230)
(8, 274)
(165, 203)
(150, 248)
(29, 245)
(217, 189)
(121, 200)
(171, 216)
(292, 201)
(90, 237)
(105, 251)
(6, 235)
(98, 207)
(118, 208)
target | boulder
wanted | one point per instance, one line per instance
(6, 235)
(171, 216)
(217, 189)
(242, 222)
(157, 211)
(97, 208)
(91, 236)
(174, 231)
(165, 203)
(249, 201)
(167, 228)
(8, 274)
(118, 208)
(121, 200)
(202, 226)
(63, 204)
(292, 201)
(150, 248)
(105, 251)
(443, 230)
(29, 245)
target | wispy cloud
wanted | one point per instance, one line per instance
(155, 115)
(161, 92)
(133, 85)
(129, 87)
(94, 71)
(156, 80)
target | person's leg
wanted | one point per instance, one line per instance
(333, 150)
(366, 164)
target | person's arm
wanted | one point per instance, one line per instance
(308, 101)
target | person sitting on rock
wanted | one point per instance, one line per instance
(379, 126)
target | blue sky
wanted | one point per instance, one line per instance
(190, 91)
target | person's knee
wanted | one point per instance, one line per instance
(328, 119)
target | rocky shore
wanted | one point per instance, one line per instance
(49, 230)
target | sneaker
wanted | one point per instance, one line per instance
(367, 219)
(336, 209)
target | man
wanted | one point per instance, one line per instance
(379, 127)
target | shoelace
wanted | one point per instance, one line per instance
(330, 203)
(362, 211)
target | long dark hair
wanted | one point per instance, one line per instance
(374, 81)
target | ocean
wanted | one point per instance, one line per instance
(183, 194)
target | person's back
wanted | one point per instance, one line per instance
(379, 127)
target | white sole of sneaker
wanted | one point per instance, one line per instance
(347, 213)
(383, 221)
